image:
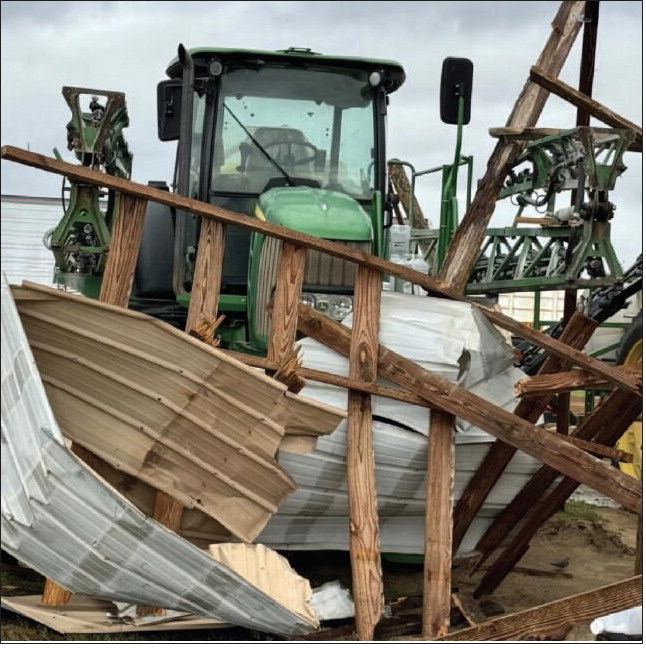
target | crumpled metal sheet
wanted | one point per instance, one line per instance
(449, 338)
(64, 521)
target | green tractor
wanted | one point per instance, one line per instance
(291, 137)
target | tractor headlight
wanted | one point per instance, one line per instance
(335, 306)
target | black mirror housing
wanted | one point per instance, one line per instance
(457, 80)
(169, 109)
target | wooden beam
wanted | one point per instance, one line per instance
(546, 619)
(597, 449)
(466, 244)
(544, 446)
(289, 284)
(365, 549)
(547, 385)
(402, 186)
(558, 348)
(225, 216)
(438, 552)
(433, 285)
(205, 292)
(127, 230)
(338, 381)
(605, 426)
(550, 82)
(576, 334)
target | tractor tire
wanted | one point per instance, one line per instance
(630, 352)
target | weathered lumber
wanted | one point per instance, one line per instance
(549, 81)
(431, 284)
(544, 446)
(533, 134)
(207, 211)
(543, 620)
(205, 292)
(438, 551)
(127, 230)
(117, 283)
(339, 381)
(465, 246)
(289, 283)
(402, 186)
(613, 374)
(598, 450)
(547, 385)
(365, 548)
(115, 289)
(576, 334)
(605, 425)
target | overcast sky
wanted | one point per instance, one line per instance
(126, 46)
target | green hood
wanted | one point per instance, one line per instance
(326, 214)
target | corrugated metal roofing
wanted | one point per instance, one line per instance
(164, 407)
(64, 521)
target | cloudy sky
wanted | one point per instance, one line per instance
(126, 45)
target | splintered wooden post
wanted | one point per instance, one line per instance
(465, 246)
(439, 526)
(115, 289)
(365, 549)
(289, 284)
(205, 293)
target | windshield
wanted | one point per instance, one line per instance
(278, 125)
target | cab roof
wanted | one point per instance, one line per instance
(393, 71)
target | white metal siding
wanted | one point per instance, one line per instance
(25, 220)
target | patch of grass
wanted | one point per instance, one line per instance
(574, 511)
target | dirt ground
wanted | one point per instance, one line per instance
(598, 544)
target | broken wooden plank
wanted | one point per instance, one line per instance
(605, 425)
(205, 291)
(464, 249)
(270, 573)
(289, 284)
(547, 385)
(597, 449)
(576, 334)
(550, 82)
(365, 552)
(545, 619)
(438, 553)
(544, 446)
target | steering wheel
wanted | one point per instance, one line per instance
(289, 159)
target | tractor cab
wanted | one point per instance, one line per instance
(291, 137)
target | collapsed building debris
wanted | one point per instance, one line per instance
(52, 495)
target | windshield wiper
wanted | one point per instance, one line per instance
(260, 147)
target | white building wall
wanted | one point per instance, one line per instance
(25, 220)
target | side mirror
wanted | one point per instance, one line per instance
(457, 79)
(169, 109)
